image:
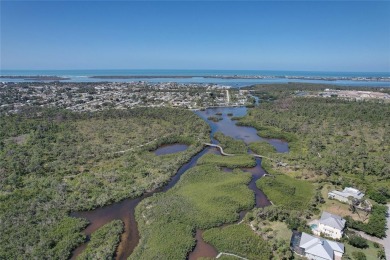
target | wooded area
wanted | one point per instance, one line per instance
(346, 141)
(54, 161)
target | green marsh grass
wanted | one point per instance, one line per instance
(103, 242)
(204, 197)
(238, 161)
(284, 190)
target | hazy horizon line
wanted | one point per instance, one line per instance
(197, 69)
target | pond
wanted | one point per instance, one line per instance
(170, 148)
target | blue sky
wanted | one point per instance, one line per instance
(265, 35)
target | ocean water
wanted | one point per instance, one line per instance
(149, 72)
(196, 76)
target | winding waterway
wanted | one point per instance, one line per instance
(125, 209)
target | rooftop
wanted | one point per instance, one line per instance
(332, 220)
(348, 191)
(320, 247)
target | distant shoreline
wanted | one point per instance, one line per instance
(36, 77)
(386, 79)
(226, 77)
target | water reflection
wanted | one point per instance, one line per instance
(170, 148)
(124, 210)
(229, 128)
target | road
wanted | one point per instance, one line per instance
(228, 96)
(385, 241)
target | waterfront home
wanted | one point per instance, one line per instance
(330, 225)
(346, 194)
(315, 248)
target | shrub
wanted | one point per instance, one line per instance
(292, 218)
(381, 254)
(359, 255)
(376, 225)
(377, 196)
(357, 241)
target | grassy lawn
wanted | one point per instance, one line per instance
(370, 252)
(282, 231)
(239, 240)
(204, 197)
(238, 161)
(276, 233)
(272, 230)
(287, 191)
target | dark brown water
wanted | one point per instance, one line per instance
(170, 148)
(257, 172)
(202, 249)
(125, 209)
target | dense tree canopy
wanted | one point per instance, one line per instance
(54, 161)
(348, 141)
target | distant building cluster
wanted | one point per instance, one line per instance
(98, 96)
(354, 94)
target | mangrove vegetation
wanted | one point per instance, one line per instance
(204, 197)
(53, 162)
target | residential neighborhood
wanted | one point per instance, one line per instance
(94, 96)
(353, 95)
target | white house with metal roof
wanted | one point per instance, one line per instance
(344, 195)
(315, 248)
(330, 225)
